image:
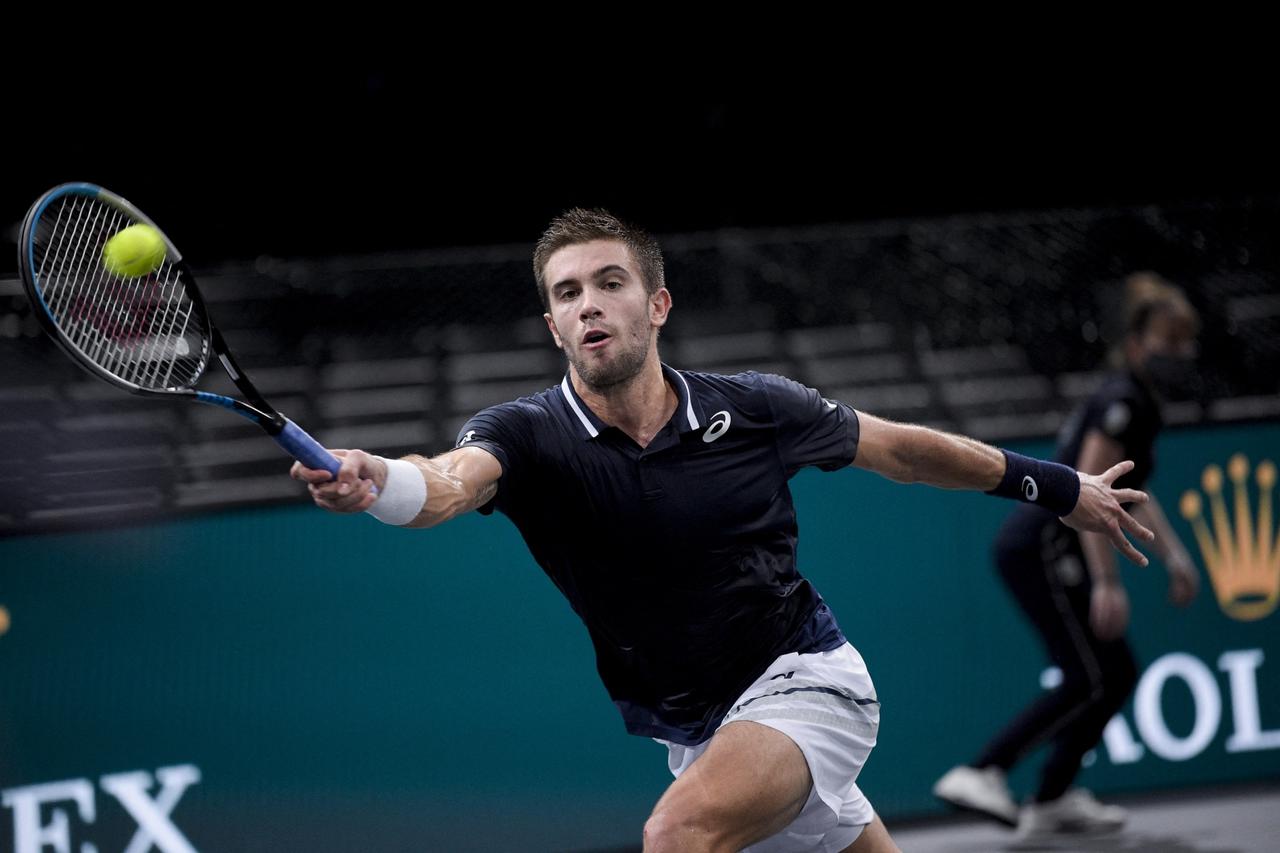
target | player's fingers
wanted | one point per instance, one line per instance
(1130, 496)
(1126, 547)
(328, 496)
(342, 503)
(350, 470)
(367, 497)
(324, 503)
(1116, 471)
(356, 496)
(1131, 524)
(358, 499)
(322, 496)
(313, 475)
(309, 475)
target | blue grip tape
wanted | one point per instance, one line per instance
(306, 449)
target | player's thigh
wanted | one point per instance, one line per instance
(874, 839)
(750, 783)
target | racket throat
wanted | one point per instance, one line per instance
(274, 423)
(262, 412)
(233, 370)
(271, 421)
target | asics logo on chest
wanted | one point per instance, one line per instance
(719, 426)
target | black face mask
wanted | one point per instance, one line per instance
(1172, 377)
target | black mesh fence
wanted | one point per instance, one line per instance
(993, 325)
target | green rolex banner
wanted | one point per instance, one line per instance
(281, 679)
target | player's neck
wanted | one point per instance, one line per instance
(640, 407)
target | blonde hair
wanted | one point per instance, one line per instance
(1147, 295)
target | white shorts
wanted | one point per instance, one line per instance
(825, 702)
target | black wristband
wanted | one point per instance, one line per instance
(1035, 481)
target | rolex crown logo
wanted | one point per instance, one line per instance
(1243, 558)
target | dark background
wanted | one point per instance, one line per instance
(343, 156)
(243, 642)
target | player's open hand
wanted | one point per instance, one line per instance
(355, 488)
(1098, 509)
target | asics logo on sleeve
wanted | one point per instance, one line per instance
(1030, 490)
(470, 434)
(719, 426)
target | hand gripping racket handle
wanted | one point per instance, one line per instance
(306, 449)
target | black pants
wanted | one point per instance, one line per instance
(1041, 563)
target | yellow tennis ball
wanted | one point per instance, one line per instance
(134, 251)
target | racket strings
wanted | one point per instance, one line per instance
(146, 329)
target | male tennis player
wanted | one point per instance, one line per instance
(657, 502)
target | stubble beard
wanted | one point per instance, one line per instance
(616, 372)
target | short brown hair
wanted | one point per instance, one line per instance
(582, 225)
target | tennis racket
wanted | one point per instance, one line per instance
(148, 334)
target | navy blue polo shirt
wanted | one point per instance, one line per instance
(679, 557)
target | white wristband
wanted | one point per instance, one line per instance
(403, 496)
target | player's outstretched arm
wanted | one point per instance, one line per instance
(913, 454)
(410, 492)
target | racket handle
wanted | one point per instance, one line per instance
(306, 449)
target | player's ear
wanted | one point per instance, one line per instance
(555, 334)
(659, 307)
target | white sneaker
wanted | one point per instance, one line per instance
(983, 791)
(1076, 811)
(1105, 814)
